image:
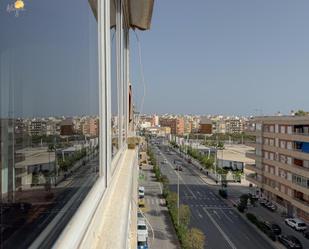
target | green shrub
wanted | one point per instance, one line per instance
(252, 218)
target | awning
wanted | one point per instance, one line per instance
(137, 13)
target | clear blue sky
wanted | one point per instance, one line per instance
(48, 59)
(225, 56)
(201, 56)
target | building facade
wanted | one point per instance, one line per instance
(205, 126)
(176, 125)
(234, 125)
(281, 169)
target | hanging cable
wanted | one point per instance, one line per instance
(142, 77)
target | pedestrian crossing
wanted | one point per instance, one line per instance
(225, 214)
(210, 206)
(210, 198)
(154, 201)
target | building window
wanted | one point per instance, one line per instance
(49, 117)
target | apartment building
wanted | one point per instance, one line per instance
(187, 126)
(281, 169)
(37, 128)
(205, 126)
(234, 125)
(177, 125)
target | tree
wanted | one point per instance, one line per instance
(172, 200)
(195, 239)
(184, 215)
(301, 113)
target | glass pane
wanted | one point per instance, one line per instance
(49, 122)
(114, 84)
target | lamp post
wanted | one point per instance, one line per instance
(178, 196)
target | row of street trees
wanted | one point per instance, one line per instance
(190, 238)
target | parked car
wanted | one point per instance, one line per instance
(142, 242)
(276, 229)
(271, 206)
(296, 223)
(178, 168)
(290, 242)
(306, 234)
(268, 231)
(139, 215)
(141, 202)
(141, 192)
(142, 229)
(263, 201)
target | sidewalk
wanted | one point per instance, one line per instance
(163, 235)
(274, 217)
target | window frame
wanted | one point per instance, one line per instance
(76, 229)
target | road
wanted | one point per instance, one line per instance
(222, 225)
(48, 225)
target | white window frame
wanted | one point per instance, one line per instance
(122, 48)
(76, 229)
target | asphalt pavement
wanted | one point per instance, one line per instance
(222, 225)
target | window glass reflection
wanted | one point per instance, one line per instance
(49, 124)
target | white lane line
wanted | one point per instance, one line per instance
(180, 178)
(220, 230)
(199, 214)
(226, 216)
(152, 201)
(215, 212)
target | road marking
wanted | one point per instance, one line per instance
(227, 217)
(220, 230)
(199, 214)
(215, 212)
(180, 178)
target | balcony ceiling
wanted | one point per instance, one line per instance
(137, 13)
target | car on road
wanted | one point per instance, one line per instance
(142, 242)
(141, 192)
(290, 242)
(275, 228)
(179, 168)
(142, 229)
(164, 161)
(296, 223)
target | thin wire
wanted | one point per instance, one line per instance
(142, 76)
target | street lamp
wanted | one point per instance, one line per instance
(178, 196)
